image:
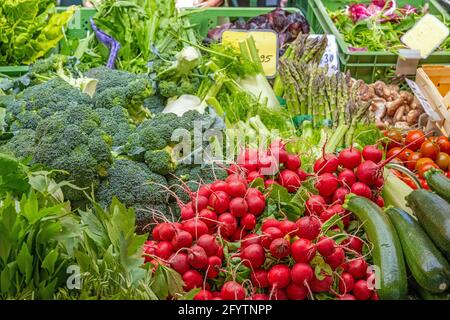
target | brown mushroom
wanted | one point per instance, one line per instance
(412, 117)
(407, 97)
(392, 106)
(399, 114)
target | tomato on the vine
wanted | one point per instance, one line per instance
(427, 166)
(429, 149)
(393, 152)
(444, 146)
(422, 161)
(395, 138)
(443, 160)
(412, 160)
(416, 138)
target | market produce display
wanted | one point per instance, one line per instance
(379, 25)
(166, 167)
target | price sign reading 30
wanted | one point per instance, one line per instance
(266, 42)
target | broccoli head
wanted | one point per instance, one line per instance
(115, 122)
(72, 141)
(169, 89)
(123, 89)
(156, 103)
(21, 145)
(133, 184)
(54, 66)
(40, 101)
(160, 161)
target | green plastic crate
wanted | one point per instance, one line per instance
(371, 65)
(202, 20)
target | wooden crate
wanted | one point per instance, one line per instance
(434, 82)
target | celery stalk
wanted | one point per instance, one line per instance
(395, 191)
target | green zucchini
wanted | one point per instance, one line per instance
(387, 252)
(439, 183)
(426, 263)
(433, 214)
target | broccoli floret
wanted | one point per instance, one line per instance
(54, 66)
(156, 103)
(124, 89)
(169, 89)
(160, 161)
(115, 122)
(133, 184)
(40, 101)
(133, 148)
(72, 141)
(21, 144)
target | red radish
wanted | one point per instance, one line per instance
(209, 243)
(253, 192)
(347, 296)
(270, 222)
(269, 165)
(236, 178)
(199, 203)
(328, 163)
(236, 188)
(203, 295)
(279, 154)
(182, 239)
(259, 296)
(209, 217)
(315, 204)
(279, 276)
(238, 207)
(288, 227)
(253, 256)
(238, 234)
(326, 215)
(375, 297)
(323, 285)
(278, 294)
(270, 234)
(303, 250)
(269, 182)
(308, 227)
(155, 233)
(249, 239)
(346, 178)
(220, 253)
(354, 243)
(301, 274)
(379, 183)
(339, 195)
(290, 180)
(164, 249)
(214, 263)
(187, 212)
(346, 283)
(372, 153)
(253, 175)
(179, 262)
(379, 201)
(217, 298)
(233, 170)
(361, 189)
(326, 184)
(357, 268)
(361, 290)
(293, 162)
(195, 227)
(302, 174)
(227, 224)
(326, 246)
(336, 259)
(296, 292)
(280, 248)
(248, 160)
(192, 279)
(350, 158)
(177, 225)
(220, 185)
(219, 201)
(248, 221)
(197, 257)
(205, 190)
(259, 278)
(256, 205)
(232, 290)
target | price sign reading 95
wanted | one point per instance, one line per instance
(266, 42)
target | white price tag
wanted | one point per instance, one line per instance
(330, 57)
(423, 100)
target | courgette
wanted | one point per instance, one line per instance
(439, 183)
(387, 252)
(426, 263)
(433, 214)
